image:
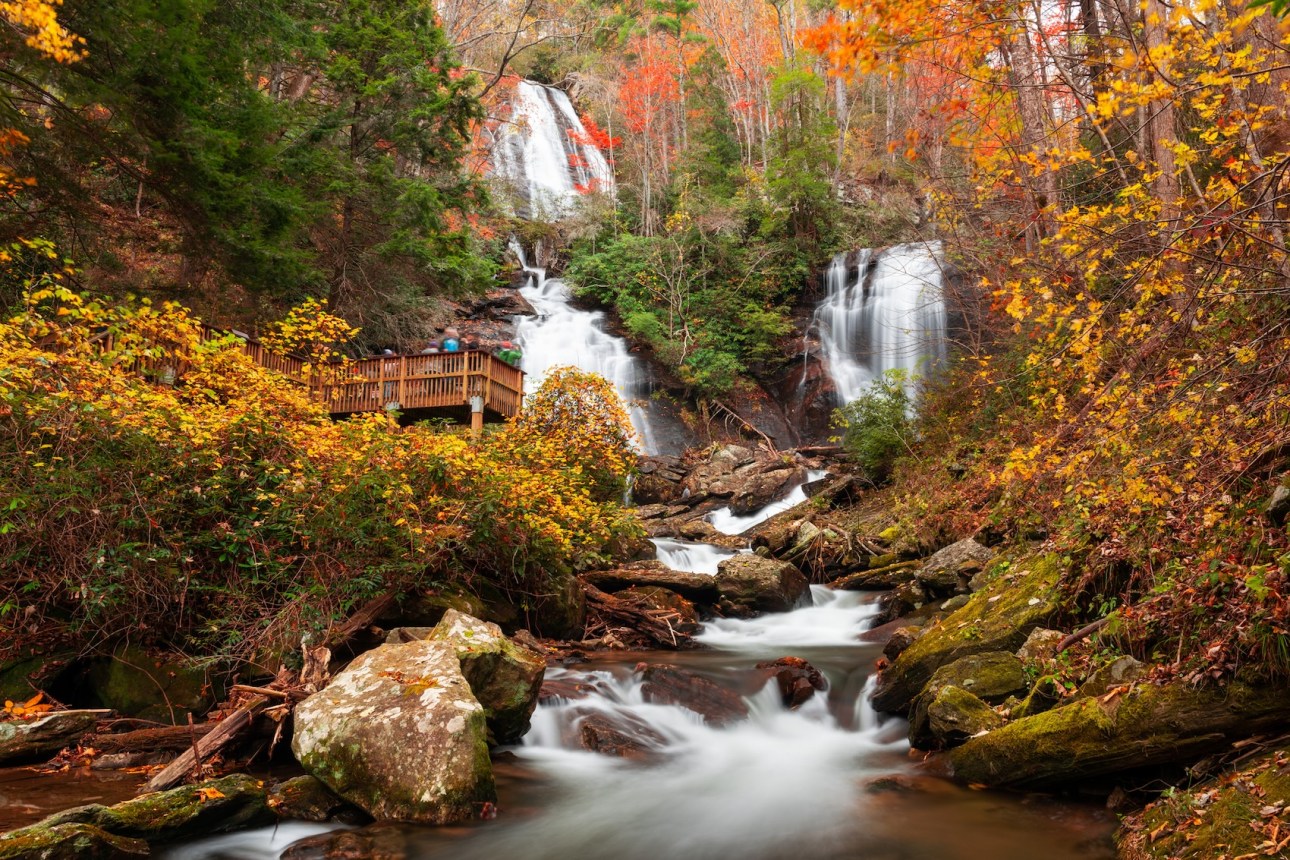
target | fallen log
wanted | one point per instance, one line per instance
(661, 625)
(166, 738)
(226, 731)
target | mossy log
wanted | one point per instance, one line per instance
(1145, 727)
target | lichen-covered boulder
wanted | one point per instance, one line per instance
(991, 677)
(27, 740)
(214, 806)
(996, 619)
(69, 842)
(505, 677)
(400, 734)
(1146, 726)
(750, 583)
(956, 715)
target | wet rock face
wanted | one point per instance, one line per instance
(503, 676)
(797, 679)
(400, 735)
(378, 842)
(672, 685)
(305, 798)
(751, 584)
(23, 741)
(616, 735)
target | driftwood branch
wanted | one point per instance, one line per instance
(215, 740)
(655, 624)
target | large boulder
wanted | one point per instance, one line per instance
(69, 842)
(998, 618)
(214, 806)
(991, 677)
(751, 492)
(27, 740)
(504, 677)
(1095, 737)
(750, 584)
(400, 734)
(697, 587)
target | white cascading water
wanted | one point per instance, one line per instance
(560, 334)
(729, 524)
(690, 557)
(832, 619)
(544, 154)
(883, 311)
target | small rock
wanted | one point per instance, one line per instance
(900, 602)
(1279, 506)
(954, 603)
(306, 798)
(1121, 671)
(378, 842)
(950, 569)
(617, 735)
(672, 685)
(1040, 645)
(901, 639)
(797, 679)
(956, 715)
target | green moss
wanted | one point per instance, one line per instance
(84, 841)
(137, 684)
(998, 618)
(1240, 815)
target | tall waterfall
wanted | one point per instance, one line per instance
(561, 334)
(545, 156)
(883, 311)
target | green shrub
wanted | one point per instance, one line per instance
(876, 426)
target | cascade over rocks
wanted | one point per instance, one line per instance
(400, 734)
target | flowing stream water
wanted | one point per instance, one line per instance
(830, 780)
(883, 311)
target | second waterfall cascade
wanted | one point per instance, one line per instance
(884, 310)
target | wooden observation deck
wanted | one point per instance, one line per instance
(439, 385)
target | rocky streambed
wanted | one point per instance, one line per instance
(788, 677)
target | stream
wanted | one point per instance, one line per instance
(828, 781)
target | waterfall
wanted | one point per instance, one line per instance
(884, 310)
(561, 334)
(544, 155)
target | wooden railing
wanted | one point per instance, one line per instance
(441, 380)
(445, 380)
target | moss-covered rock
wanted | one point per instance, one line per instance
(28, 740)
(1043, 696)
(1093, 737)
(950, 569)
(1117, 673)
(29, 673)
(306, 798)
(560, 612)
(991, 678)
(878, 578)
(998, 618)
(504, 677)
(69, 842)
(400, 734)
(214, 806)
(1245, 814)
(956, 715)
(164, 689)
